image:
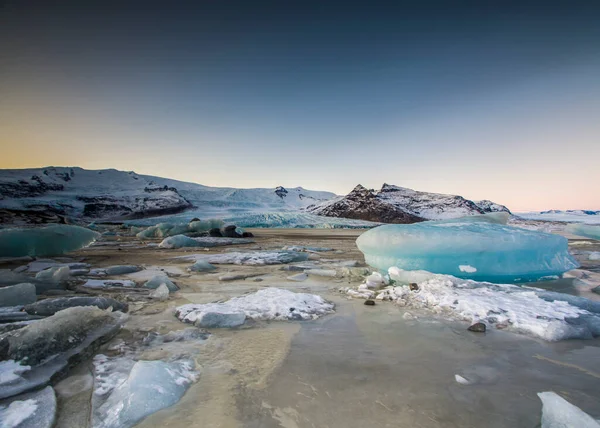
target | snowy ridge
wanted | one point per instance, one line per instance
(108, 194)
(393, 204)
(581, 216)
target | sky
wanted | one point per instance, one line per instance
(487, 99)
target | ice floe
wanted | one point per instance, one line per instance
(535, 312)
(266, 304)
(108, 283)
(182, 241)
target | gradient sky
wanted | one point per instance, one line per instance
(488, 99)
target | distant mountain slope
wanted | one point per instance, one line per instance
(579, 216)
(393, 204)
(46, 194)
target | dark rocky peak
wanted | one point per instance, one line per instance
(281, 191)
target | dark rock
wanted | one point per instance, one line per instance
(247, 235)
(229, 232)
(370, 302)
(51, 306)
(17, 295)
(596, 289)
(194, 219)
(413, 286)
(478, 327)
(215, 233)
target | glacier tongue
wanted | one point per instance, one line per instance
(468, 248)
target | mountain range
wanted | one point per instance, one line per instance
(56, 194)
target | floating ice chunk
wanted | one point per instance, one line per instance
(595, 255)
(322, 272)
(51, 344)
(265, 304)
(559, 413)
(16, 295)
(181, 241)
(122, 269)
(500, 253)
(547, 315)
(461, 380)
(108, 283)
(584, 230)
(298, 277)
(220, 319)
(33, 410)
(44, 241)
(467, 268)
(150, 387)
(161, 293)
(49, 307)
(201, 266)
(54, 274)
(252, 257)
(159, 280)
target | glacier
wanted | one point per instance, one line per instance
(44, 241)
(476, 250)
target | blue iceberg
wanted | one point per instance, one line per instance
(44, 241)
(474, 250)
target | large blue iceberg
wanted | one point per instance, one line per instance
(468, 249)
(50, 240)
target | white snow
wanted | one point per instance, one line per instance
(559, 413)
(461, 380)
(538, 313)
(265, 304)
(467, 268)
(10, 371)
(17, 412)
(580, 216)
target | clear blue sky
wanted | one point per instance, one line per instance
(488, 99)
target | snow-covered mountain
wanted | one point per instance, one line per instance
(46, 194)
(580, 216)
(393, 204)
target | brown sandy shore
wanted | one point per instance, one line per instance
(381, 366)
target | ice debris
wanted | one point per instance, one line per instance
(161, 293)
(54, 274)
(159, 280)
(182, 241)
(475, 250)
(265, 304)
(201, 266)
(48, 307)
(149, 387)
(559, 413)
(535, 312)
(44, 241)
(251, 257)
(19, 294)
(109, 283)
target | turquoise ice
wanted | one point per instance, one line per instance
(44, 241)
(475, 250)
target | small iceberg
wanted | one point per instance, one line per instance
(44, 241)
(559, 413)
(478, 250)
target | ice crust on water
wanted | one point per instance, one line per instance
(265, 304)
(584, 230)
(251, 257)
(535, 312)
(182, 241)
(559, 413)
(149, 387)
(476, 250)
(44, 241)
